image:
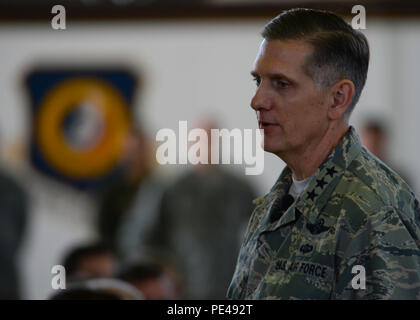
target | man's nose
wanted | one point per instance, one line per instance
(261, 100)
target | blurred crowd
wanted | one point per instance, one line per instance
(156, 239)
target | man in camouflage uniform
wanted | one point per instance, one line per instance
(338, 223)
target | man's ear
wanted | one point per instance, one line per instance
(341, 95)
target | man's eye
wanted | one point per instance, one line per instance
(257, 81)
(281, 84)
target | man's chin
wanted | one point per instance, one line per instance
(271, 148)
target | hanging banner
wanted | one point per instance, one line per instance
(79, 122)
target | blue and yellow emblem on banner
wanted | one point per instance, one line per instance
(79, 122)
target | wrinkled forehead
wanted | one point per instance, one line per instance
(286, 56)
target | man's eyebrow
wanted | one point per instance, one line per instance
(274, 75)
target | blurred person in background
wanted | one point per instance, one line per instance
(131, 199)
(201, 220)
(375, 137)
(98, 289)
(94, 260)
(151, 279)
(13, 219)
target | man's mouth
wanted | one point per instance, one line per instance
(267, 124)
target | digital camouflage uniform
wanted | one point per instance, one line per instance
(355, 211)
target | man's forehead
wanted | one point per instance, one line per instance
(284, 55)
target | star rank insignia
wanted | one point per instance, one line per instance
(320, 183)
(331, 171)
(312, 195)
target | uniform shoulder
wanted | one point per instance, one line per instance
(369, 187)
(377, 178)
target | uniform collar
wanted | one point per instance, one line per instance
(316, 195)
